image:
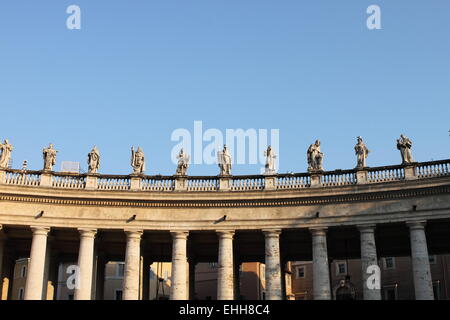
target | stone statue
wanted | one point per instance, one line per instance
(93, 160)
(5, 157)
(270, 161)
(404, 144)
(361, 152)
(224, 160)
(183, 163)
(49, 157)
(315, 157)
(137, 161)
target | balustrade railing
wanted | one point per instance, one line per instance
(157, 184)
(22, 178)
(338, 178)
(68, 181)
(114, 183)
(432, 169)
(202, 183)
(247, 183)
(385, 174)
(421, 170)
(293, 181)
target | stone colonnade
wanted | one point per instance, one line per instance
(226, 290)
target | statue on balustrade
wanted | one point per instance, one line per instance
(183, 163)
(315, 157)
(224, 160)
(404, 144)
(137, 160)
(361, 152)
(49, 155)
(93, 160)
(5, 157)
(270, 161)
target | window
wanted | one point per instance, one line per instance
(390, 292)
(23, 271)
(432, 259)
(118, 294)
(341, 268)
(301, 272)
(437, 290)
(389, 263)
(21, 293)
(120, 269)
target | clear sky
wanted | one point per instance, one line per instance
(138, 70)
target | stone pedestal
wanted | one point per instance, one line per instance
(2, 176)
(46, 179)
(180, 183)
(132, 265)
(273, 270)
(135, 183)
(361, 176)
(270, 183)
(316, 178)
(35, 275)
(225, 290)
(410, 172)
(179, 266)
(91, 182)
(321, 275)
(368, 258)
(423, 285)
(224, 183)
(85, 264)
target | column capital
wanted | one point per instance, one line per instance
(225, 234)
(133, 233)
(370, 228)
(318, 231)
(271, 232)
(88, 233)
(179, 234)
(416, 225)
(40, 230)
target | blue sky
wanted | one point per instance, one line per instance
(137, 70)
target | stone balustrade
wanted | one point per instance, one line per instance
(337, 178)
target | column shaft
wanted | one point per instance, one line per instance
(423, 285)
(369, 258)
(83, 290)
(179, 268)
(273, 270)
(132, 265)
(35, 276)
(225, 290)
(321, 275)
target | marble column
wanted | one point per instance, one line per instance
(179, 266)
(273, 269)
(423, 285)
(225, 290)
(35, 276)
(321, 275)
(83, 291)
(368, 258)
(132, 265)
